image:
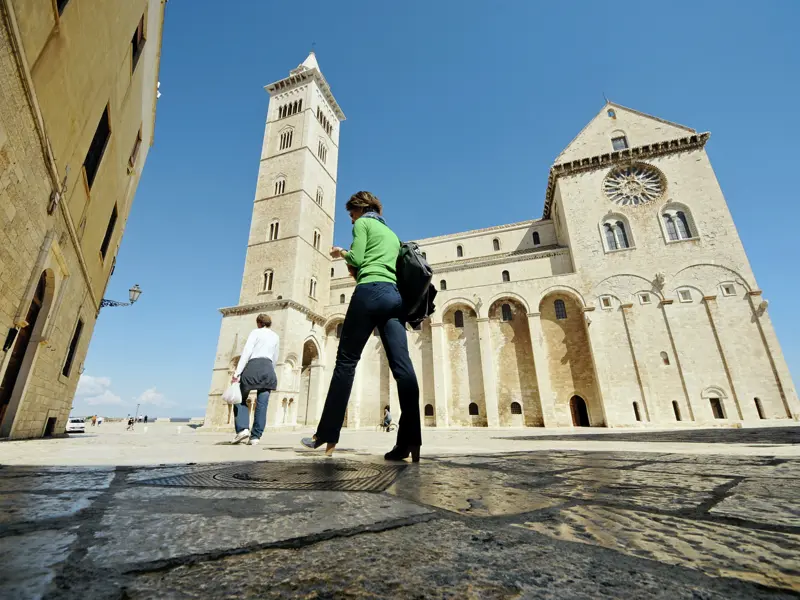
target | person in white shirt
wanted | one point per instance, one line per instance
(256, 371)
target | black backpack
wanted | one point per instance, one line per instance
(414, 276)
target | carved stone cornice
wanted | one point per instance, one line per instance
(474, 232)
(600, 161)
(249, 309)
(298, 77)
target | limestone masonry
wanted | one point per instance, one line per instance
(78, 88)
(630, 302)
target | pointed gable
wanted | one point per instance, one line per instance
(613, 121)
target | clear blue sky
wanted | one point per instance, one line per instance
(456, 110)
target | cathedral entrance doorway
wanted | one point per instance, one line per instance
(18, 353)
(307, 408)
(580, 414)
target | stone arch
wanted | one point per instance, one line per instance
(514, 297)
(717, 400)
(562, 289)
(465, 373)
(624, 286)
(569, 356)
(459, 301)
(694, 275)
(513, 363)
(670, 208)
(616, 232)
(307, 407)
(24, 349)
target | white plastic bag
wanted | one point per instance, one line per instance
(233, 395)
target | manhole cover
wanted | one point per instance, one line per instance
(290, 475)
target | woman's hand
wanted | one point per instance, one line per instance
(337, 252)
(234, 379)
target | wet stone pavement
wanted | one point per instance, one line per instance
(544, 524)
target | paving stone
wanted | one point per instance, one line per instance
(474, 492)
(662, 499)
(146, 524)
(763, 557)
(720, 470)
(30, 562)
(440, 559)
(781, 488)
(16, 508)
(789, 469)
(56, 481)
(619, 478)
(760, 509)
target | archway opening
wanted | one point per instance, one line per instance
(18, 353)
(580, 414)
(306, 408)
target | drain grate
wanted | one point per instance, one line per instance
(290, 475)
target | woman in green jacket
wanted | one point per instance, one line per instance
(376, 303)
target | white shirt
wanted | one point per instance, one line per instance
(261, 343)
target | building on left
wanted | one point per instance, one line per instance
(78, 92)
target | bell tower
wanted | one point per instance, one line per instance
(287, 268)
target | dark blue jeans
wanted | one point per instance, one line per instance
(241, 415)
(373, 305)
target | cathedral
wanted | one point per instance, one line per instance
(629, 302)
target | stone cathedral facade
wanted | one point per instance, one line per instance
(629, 302)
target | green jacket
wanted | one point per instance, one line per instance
(374, 250)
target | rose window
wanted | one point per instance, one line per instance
(634, 184)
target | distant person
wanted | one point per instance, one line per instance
(99, 421)
(376, 303)
(94, 420)
(130, 423)
(387, 418)
(256, 371)
(145, 418)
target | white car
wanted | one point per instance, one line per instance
(76, 425)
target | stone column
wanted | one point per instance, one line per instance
(624, 308)
(316, 396)
(713, 317)
(783, 377)
(440, 363)
(546, 394)
(487, 368)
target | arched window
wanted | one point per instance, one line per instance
(317, 238)
(683, 226)
(611, 239)
(678, 223)
(459, 251)
(669, 224)
(619, 143)
(300, 104)
(636, 412)
(507, 314)
(536, 241)
(280, 186)
(616, 233)
(425, 255)
(331, 271)
(286, 139)
(560, 308)
(622, 236)
(496, 244)
(610, 112)
(312, 287)
(443, 285)
(267, 284)
(665, 358)
(458, 319)
(322, 151)
(677, 410)
(516, 408)
(273, 231)
(759, 408)
(473, 409)
(339, 330)
(341, 299)
(429, 410)
(319, 196)
(506, 276)
(716, 408)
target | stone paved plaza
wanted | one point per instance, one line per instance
(171, 513)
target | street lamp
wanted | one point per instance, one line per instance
(133, 295)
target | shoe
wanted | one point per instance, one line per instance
(253, 442)
(241, 436)
(402, 453)
(313, 443)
